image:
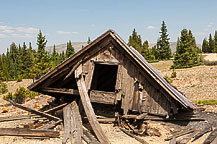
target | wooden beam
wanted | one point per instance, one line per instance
(205, 130)
(60, 91)
(88, 107)
(184, 132)
(28, 132)
(72, 123)
(212, 136)
(43, 114)
(50, 125)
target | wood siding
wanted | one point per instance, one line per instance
(133, 87)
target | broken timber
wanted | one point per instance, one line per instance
(212, 136)
(61, 91)
(43, 114)
(72, 123)
(88, 107)
(28, 132)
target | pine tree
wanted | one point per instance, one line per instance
(163, 44)
(88, 40)
(186, 54)
(70, 50)
(146, 52)
(211, 44)
(205, 46)
(135, 41)
(215, 39)
(41, 52)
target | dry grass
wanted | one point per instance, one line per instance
(197, 83)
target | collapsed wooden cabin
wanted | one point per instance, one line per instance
(114, 73)
(109, 72)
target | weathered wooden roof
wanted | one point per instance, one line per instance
(139, 59)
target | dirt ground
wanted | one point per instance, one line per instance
(198, 83)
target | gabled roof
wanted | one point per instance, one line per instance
(139, 59)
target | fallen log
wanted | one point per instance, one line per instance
(88, 107)
(43, 114)
(28, 132)
(184, 132)
(137, 138)
(211, 137)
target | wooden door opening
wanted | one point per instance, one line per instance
(104, 77)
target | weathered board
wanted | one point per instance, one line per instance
(72, 123)
(102, 97)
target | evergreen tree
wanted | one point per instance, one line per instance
(186, 54)
(41, 52)
(88, 40)
(70, 50)
(146, 52)
(215, 39)
(135, 41)
(55, 57)
(211, 44)
(163, 44)
(205, 46)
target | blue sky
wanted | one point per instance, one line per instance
(64, 20)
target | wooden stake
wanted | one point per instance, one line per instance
(88, 107)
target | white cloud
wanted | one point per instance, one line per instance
(62, 32)
(151, 27)
(4, 27)
(65, 32)
(200, 33)
(3, 36)
(27, 30)
(22, 35)
(8, 31)
(75, 32)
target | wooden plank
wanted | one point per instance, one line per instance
(118, 86)
(102, 97)
(184, 132)
(136, 97)
(43, 114)
(173, 141)
(72, 123)
(60, 91)
(28, 132)
(88, 108)
(211, 137)
(91, 138)
(214, 141)
(205, 130)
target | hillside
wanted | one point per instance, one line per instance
(78, 46)
(62, 47)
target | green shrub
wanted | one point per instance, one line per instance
(3, 88)
(173, 75)
(168, 79)
(207, 102)
(19, 78)
(20, 95)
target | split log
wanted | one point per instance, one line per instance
(211, 137)
(88, 107)
(202, 132)
(72, 123)
(137, 138)
(28, 132)
(184, 132)
(43, 114)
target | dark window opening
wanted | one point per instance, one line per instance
(104, 77)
